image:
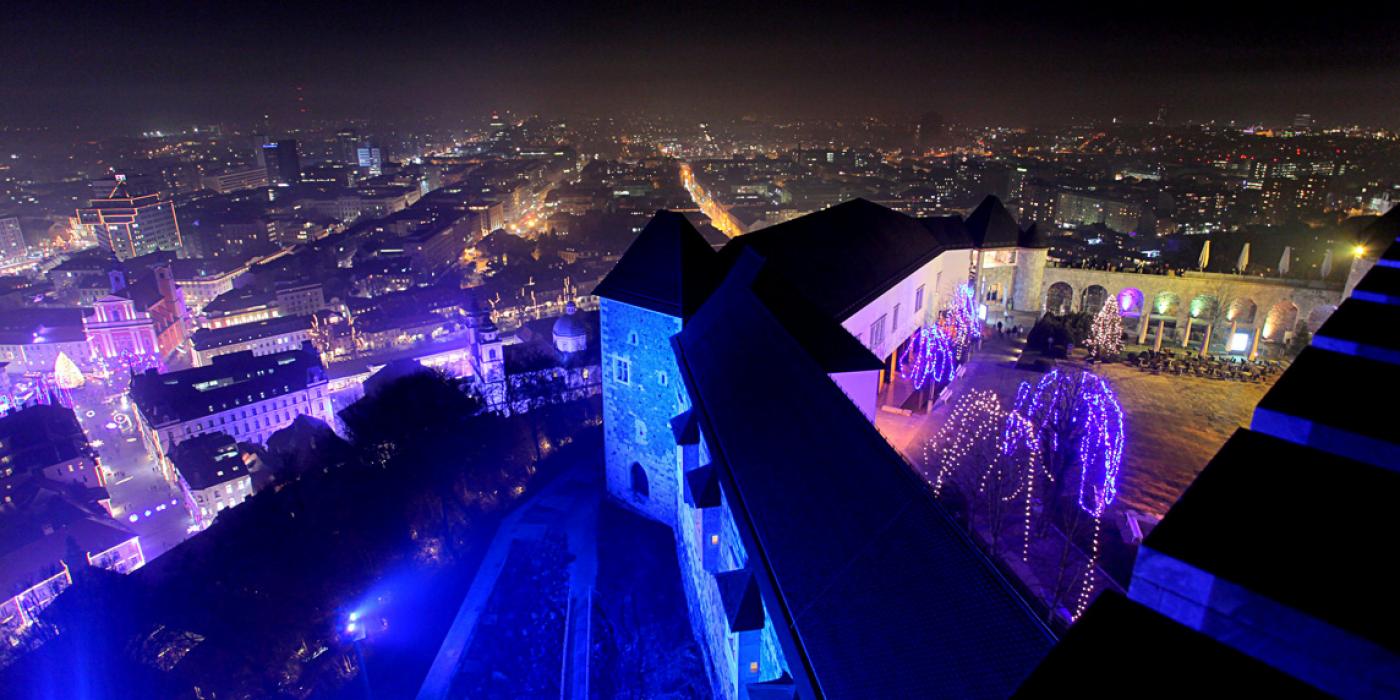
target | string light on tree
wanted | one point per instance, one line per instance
(1106, 334)
(1078, 412)
(990, 449)
(929, 357)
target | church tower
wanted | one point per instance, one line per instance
(659, 282)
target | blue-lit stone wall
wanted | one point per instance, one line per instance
(637, 415)
(637, 409)
(707, 616)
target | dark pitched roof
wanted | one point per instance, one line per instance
(825, 340)
(743, 605)
(991, 225)
(1320, 559)
(1119, 645)
(842, 257)
(669, 268)
(876, 591)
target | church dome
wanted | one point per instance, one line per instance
(570, 332)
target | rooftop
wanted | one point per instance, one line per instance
(232, 380)
(208, 460)
(884, 595)
(210, 338)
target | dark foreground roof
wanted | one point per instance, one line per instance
(669, 268)
(1319, 559)
(880, 595)
(843, 257)
(1121, 648)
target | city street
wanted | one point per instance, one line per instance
(141, 498)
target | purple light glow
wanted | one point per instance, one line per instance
(1130, 301)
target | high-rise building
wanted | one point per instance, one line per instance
(347, 146)
(369, 160)
(283, 162)
(12, 245)
(131, 225)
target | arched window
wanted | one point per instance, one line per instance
(640, 487)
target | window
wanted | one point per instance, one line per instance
(632, 338)
(622, 370)
(640, 430)
(662, 379)
(894, 318)
(640, 487)
(919, 298)
(877, 332)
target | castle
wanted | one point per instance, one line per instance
(739, 388)
(739, 392)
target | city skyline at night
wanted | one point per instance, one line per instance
(741, 352)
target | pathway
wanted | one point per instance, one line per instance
(571, 503)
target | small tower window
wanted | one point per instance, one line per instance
(640, 487)
(632, 338)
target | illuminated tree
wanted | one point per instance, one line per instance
(1106, 334)
(66, 374)
(930, 356)
(1080, 429)
(992, 457)
(960, 321)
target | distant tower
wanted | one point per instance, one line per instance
(658, 283)
(283, 162)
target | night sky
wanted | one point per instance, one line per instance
(152, 64)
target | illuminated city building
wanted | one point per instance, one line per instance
(247, 396)
(235, 180)
(283, 161)
(12, 244)
(117, 331)
(212, 475)
(131, 225)
(259, 337)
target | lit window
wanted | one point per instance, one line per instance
(714, 539)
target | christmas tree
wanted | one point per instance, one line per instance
(1106, 334)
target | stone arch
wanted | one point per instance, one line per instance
(1059, 298)
(641, 486)
(1166, 304)
(1319, 316)
(1282, 317)
(1242, 311)
(1204, 307)
(1130, 301)
(1093, 298)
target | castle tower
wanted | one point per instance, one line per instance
(645, 300)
